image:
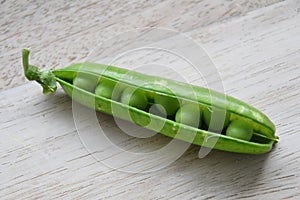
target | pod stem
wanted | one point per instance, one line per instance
(32, 73)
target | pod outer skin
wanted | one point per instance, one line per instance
(260, 122)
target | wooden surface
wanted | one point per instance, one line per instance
(253, 44)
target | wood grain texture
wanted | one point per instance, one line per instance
(257, 56)
(71, 29)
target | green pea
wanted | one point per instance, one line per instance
(240, 129)
(104, 90)
(220, 118)
(189, 114)
(169, 105)
(108, 89)
(85, 82)
(135, 98)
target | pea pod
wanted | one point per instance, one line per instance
(151, 89)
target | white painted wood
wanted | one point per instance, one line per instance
(257, 56)
(71, 29)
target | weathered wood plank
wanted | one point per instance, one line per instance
(71, 29)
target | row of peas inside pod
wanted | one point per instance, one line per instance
(182, 111)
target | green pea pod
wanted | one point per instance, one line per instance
(151, 86)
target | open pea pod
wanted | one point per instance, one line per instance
(105, 89)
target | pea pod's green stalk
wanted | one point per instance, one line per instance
(46, 79)
(264, 128)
